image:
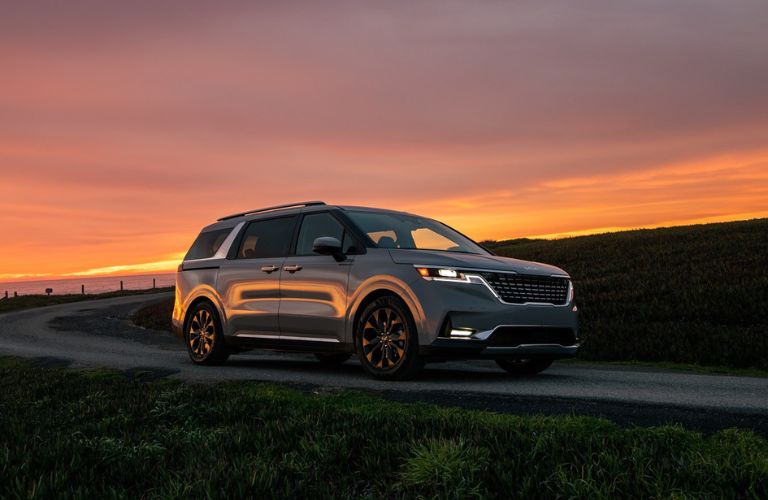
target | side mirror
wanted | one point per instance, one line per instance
(328, 245)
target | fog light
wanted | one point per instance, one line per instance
(462, 332)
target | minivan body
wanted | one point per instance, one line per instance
(394, 288)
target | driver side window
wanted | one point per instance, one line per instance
(318, 225)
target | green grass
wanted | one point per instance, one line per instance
(692, 294)
(28, 301)
(101, 435)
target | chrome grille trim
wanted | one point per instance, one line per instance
(525, 289)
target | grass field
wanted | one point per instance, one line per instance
(29, 301)
(692, 294)
(102, 435)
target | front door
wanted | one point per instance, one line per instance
(249, 281)
(314, 287)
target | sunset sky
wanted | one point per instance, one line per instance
(127, 126)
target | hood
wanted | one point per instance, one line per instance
(472, 261)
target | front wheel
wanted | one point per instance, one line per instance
(204, 337)
(524, 366)
(386, 340)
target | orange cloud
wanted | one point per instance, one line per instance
(729, 187)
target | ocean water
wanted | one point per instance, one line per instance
(92, 285)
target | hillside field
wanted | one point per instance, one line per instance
(689, 294)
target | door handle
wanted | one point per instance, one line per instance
(292, 269)
(269, 269)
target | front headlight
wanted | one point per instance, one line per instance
(441, 274)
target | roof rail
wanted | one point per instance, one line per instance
(276, 207)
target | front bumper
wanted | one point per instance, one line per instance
(494, 329)
(507, 342)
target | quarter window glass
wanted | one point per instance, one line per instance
(207, 244)
(316, 226)
(266, 238)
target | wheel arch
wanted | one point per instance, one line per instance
(381, 289)
(193, 301)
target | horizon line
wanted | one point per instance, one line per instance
(170, 265)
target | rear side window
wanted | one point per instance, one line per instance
(207, 244)
(266, 238)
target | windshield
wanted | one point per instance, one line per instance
(410, 232)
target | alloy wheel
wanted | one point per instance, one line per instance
(384, 339)
(202, 331)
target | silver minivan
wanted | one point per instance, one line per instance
(394, 288)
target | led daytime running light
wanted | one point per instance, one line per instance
(440, 273)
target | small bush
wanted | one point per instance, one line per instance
(446, 468)
(155, 316)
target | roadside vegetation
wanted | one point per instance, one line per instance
(102, 435)
(28, 301)
(692, 294)
(156, 316)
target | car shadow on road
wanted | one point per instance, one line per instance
(437, 372)
(454, 374)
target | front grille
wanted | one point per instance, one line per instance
(519, 289)
(513, 336)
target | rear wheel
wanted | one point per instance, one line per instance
(203, 336)
(386, 340)
(524, 366)
(332, 359)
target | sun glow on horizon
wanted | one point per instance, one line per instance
(163, 266)
(676, 223)
(171, 264)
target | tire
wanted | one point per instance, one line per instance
(386, 340)
(524, 366)
(332, 358)
(204, 337)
